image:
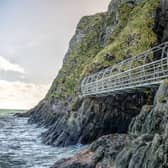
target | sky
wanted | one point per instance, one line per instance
(34, 37)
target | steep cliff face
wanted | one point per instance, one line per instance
(161, 21)
(124, 30)
(150, 148)
(124, 135)
(94, 118)
(145, 146)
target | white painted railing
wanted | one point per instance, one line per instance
(143, 70)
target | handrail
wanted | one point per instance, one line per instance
(106, 81)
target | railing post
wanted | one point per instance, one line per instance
(162, 56)
(143, 74)
(154, 69)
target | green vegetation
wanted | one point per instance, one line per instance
(131, 36)
(81, 54)
(165, 83)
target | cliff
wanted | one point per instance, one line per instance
(145, 146)
(126, 28)
(101, 40)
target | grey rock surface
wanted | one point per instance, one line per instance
(145, 146)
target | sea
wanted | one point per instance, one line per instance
(21, 145)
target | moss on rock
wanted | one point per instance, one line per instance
(130, 34)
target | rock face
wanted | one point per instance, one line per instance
(94, 118)
(69, 118)
(101, 153)
(145, 146)
(46, 113)
(150, 148)
(127, 28)
(122, 134)
(161, 21)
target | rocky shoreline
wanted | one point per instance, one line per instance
(145, 145)
(123, 133)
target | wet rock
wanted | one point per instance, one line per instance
(85, 120)
(26, 114)
(46, 113)
(146, 145)
(100, 154)
(95, 117)
(72, 120)
(81, 160)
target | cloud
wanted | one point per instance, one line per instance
(20, 95)
(6, 65)
(36, 35)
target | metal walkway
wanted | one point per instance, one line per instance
(145, 70)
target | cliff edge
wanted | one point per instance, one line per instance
(120, 132)
(145, 146)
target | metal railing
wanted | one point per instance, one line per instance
(144, 70)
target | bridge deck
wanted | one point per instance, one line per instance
(136, 72)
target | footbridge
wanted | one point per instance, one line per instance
(148, 70)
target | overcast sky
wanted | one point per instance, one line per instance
(34, 37)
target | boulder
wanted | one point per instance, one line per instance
(100, 154)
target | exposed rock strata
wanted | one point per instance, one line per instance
(94, 118)
(102, 152)
(161, 21)
(72, 120)
(146, 145)
(150, 148)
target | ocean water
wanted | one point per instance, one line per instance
(9, 111)
(21, 146)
